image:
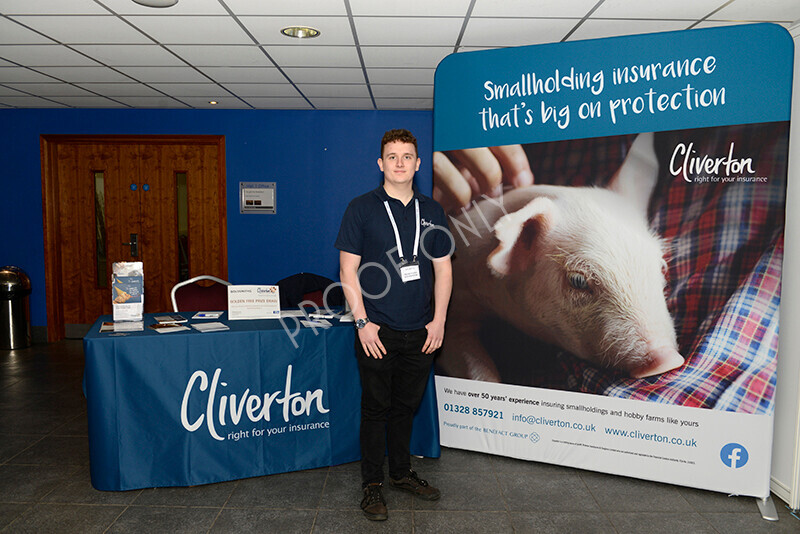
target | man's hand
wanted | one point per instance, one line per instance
(371, 342)
(435, 337)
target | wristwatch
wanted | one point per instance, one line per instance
(361, 323)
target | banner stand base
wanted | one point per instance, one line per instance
(767, 509)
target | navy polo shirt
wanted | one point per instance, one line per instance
(367, 232)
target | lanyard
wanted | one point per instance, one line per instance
(397, 233)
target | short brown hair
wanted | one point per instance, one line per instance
(399, 134)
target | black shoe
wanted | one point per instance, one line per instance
(373, 504)
(416, 486)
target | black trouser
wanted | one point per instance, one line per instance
(391, 390)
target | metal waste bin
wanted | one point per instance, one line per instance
(15, 311)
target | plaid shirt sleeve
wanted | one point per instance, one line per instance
(725, 249)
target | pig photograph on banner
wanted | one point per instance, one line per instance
(643, 266)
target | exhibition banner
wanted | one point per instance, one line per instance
(617, 207)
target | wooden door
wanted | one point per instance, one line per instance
(100, 191)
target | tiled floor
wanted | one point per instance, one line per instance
(44, 484)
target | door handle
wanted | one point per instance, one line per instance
(134, 244)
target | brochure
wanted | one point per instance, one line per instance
(210, 327)
(125, 326)
(127, 290)
(208, 315)
(163, 328)
(170, 318)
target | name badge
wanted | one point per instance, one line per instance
(409, 272)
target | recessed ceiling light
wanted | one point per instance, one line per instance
(212, 102)
(300, 32)
(156, 3)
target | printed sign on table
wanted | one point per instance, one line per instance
(253, 302)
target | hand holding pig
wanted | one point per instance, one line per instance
(463, 175)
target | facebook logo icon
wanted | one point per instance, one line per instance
(734, 455)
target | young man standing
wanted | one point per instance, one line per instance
(394, 256)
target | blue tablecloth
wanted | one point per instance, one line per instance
(189, 408)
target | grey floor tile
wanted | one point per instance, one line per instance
(712, 501)
(76, 426)
(300, 490)
(164, 519)
(465, 491)
(55, 450)
(10, 511)
(78, 489)
(61, 518)
(623, 494)
(661, 523)
(214, 495)
(430, 522)
(502, 464)
(337, 522)
(236, 521)
(561, 492)
(561, 522)
(11, 445)
(29, 483)
(751, 523)
(452, 461)
(33, 421)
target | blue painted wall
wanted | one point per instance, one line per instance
(319, 160)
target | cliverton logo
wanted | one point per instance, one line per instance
(734, 455)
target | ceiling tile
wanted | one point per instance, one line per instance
(516, 32)
(190, 7)
(180, 90)
(404, 103)
(130, 55)
(21, 74)
(85, 74)
(245, 90)
(526, 8)
(314, 56)
(179, 29)
(295, 7)
(342, 103)
(267, 30)
(8, 91)
(50, 89)
(222, 102)
(29, 102)
(400, 31)
(222, 56)
(151, 102)
(85, 29)
(404, 56)
(401, 75)
(278, 103)
(51, 7)
(120, 89)
(325, 75)
(13, 33)
(594, 29)
(439, 8)
(87, 102)
(44, 56)
(656, 9)
(350, 90)
(402, 91)
(246, 75)
(164, 74)
(758, 10)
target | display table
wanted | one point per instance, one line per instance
(188, 408)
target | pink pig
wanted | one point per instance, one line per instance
(576, 267)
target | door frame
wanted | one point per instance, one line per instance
(50, 215)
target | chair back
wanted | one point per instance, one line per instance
(190, 295)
